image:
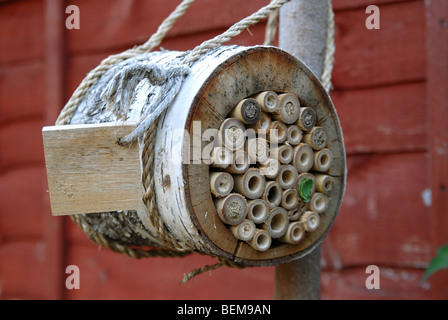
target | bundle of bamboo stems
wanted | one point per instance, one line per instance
(269, 177)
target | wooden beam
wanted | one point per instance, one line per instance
(88, 171)
(54, 100)
(437, 102)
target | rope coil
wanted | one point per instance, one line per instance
(167, 81)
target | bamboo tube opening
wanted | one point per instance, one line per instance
(324, 183)
(273, 194)
(221, 157)
(307, 119)
(316, 138)
(257, 211)
(277, 222)
(289, 108)
(247, 110)
(294, 234)
(284, 153)
(287, 176)
(319, 202)
(250, 184)
(261, 240)
(240, 163)
(278, 132)
(263, 124)
(268, 101)
(221, 184)
(270, 168)
(310, 221)
(290, 199)
(232, 209)
(294, 135)
(322, 160)
(257, 150)
(303, 157)
(244, 231)
(232, 133)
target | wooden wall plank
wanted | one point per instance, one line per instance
(395, 283)
(21, 94)
(393, 54)
(21, 194)
(21, 30)
(20, 144)
(383, 219)
(107, 275)
(437, 99)
(380, 119)
(21, 264)
(339, 5)
(124, 23)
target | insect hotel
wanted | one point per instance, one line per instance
(247, 164)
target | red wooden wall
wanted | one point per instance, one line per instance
(384, 82)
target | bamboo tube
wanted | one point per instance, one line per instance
(294, 135)
(232, 209)
(303, 157)
(322, 160)
(277, 133)
(221, 157)
(288, 109)
(273, 194)
(268, 101)
(302, 207)
(250, 184)
(310, 221)
(307, 119)
(319, 202)
(284, 153)
(257, 150)
(240, 163)
(263, 124)
(244, 231)
(270, 168)
(232, 134)
(324, 183)
(290, 199)
(221, 184)
(300, 180)
(257, 210)
(261, 240)
(294, 234)
(287, 176)
(316, 138)
(277, 222)
(247, 110)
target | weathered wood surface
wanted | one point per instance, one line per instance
(88, 171)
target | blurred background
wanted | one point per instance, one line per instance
(390, 95)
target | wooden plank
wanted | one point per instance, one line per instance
(111, 276)
(339, 5)
(21, 30)
(395, 284)
(21, 91)
(21, 269)
(393, 54)
(21, 194)
(89, 172)
(383, 119)
(106, 24)
(383, 218)
(437, 99)
(20, 146)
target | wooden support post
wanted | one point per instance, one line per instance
(302, 33)
(54, 99)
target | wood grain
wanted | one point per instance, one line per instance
(89, 172)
